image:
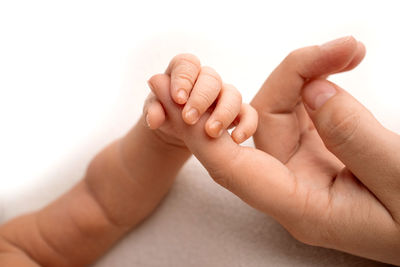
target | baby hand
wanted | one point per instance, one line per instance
(197, 89)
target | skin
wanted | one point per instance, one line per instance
(121, 187)
(204, 86)
(119, 190)
(323, 166)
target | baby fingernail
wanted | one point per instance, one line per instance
(181, 96)
(192, 115)
(216, 127)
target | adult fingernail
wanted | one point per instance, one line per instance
(181, 96)
(192, 115)
(335, 42)
(216, 127)
(317, 93)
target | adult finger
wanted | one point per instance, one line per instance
(281, 91)
(352, 133)
(277, 100)
(359, 55)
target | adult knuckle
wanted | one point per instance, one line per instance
(340, 127)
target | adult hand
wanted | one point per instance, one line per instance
(343, 162)
(323, 166)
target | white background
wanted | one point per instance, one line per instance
(73, 73)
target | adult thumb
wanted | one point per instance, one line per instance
(352, 133)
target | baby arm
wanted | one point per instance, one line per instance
(123, 183)
(121, 187)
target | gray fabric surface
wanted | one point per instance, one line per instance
(198, 224)
(202, 224)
